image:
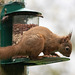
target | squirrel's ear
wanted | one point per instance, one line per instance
(66, 39)
(69, 36)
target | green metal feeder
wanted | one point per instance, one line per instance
(15, 19)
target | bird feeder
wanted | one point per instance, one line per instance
(23, 20)
(14, 21)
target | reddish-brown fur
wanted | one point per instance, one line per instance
(36, 40)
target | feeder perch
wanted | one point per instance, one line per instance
(15, 19)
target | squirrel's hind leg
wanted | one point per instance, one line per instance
(37, 48)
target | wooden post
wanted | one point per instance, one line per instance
(13, 69)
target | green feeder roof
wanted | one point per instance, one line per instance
(24, 11)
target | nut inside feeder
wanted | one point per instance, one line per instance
(22, 22)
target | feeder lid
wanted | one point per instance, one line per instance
(24, 11)
(27, 61)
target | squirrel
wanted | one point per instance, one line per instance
(36, 40)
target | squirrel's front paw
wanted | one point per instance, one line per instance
(51, 56)
(55, 55)
(47, 56)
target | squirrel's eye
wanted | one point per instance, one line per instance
(67, 48)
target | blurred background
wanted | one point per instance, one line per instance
(59, 17)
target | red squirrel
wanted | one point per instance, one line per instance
(36, 40)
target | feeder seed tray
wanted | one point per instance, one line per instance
(27, 61)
